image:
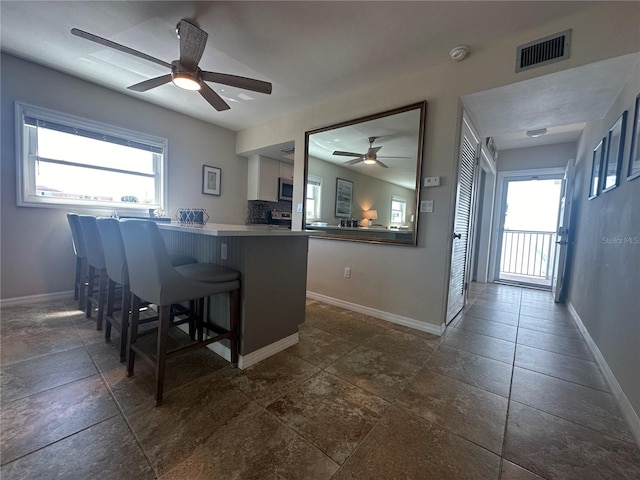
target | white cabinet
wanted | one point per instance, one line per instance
(263, 178)
(286, 170)
(263, 173)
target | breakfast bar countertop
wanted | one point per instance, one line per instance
(226, 230)
(272, 263)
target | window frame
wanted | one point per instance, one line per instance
(25, 163)
(403, 200)
(318, 201)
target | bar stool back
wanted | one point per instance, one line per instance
(152, 278)
(117, 271)
(97, 267)
(80, 251)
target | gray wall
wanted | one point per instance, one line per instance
(419, 285)
(544, 156)
(604, 287)
(36, 252)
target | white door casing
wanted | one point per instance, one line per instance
(459, 270)
(558, 282)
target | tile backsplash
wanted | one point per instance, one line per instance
(258, 210)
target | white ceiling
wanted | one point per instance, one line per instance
(309, 50)
(561, 102)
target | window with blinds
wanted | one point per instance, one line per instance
(70, 161)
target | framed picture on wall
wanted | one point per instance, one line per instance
(615, 149)
(634, 152)
(344, 198)
(596, 168)
(211, 180)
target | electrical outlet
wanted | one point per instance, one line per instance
(223, 251)
(347, 272)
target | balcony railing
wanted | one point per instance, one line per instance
(527, 257)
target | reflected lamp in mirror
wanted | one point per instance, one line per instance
(380, 158)
(370, 215)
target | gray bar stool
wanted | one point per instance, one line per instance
(109, 229)
(118, 273)
(97, 268)
(80, 251)
(153, 279)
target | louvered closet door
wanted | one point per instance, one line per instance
(460, 243)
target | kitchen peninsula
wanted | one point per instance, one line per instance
(273, 266)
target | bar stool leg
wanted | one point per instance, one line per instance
(90, 289)
(133, 333)
(111, 292)
(200, 312)
(164, 314)
(124, 325)
(76, 286)
(82, 283)
(102, 288)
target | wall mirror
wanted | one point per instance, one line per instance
(363, 177)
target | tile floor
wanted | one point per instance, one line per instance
(510, 392)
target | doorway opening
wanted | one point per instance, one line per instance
(526, 240)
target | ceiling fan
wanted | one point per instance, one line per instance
(369, 158)
(185, 72)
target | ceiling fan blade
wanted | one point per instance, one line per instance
(192, 43)
(347, 154)
(236, 81)
(151, 83)
(213, 98)
(383, 156)
(354, 161)
(108, 43)
(373, 150)
(381, 164)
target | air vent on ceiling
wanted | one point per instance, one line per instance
(288, 150)
(543, 51)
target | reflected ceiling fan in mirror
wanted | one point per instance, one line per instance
(369, 158)
(185, 72)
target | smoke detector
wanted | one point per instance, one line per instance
(459, 53)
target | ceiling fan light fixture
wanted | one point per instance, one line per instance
(536, 133)
(369, 160)
(185, 81)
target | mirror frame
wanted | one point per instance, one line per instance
(422, 108)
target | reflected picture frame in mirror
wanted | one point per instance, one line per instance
(381, 157)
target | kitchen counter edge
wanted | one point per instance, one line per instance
(226, 230)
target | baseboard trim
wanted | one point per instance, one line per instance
(245, 361)
(390, 317)
(29, 299)
(630, 415)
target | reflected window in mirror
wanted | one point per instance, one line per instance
(314, 197)
(380, 157)
(398, 210)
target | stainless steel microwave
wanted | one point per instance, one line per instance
(285, 189)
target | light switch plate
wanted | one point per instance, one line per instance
(426, 206)
(431, 181)
(299, 208)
